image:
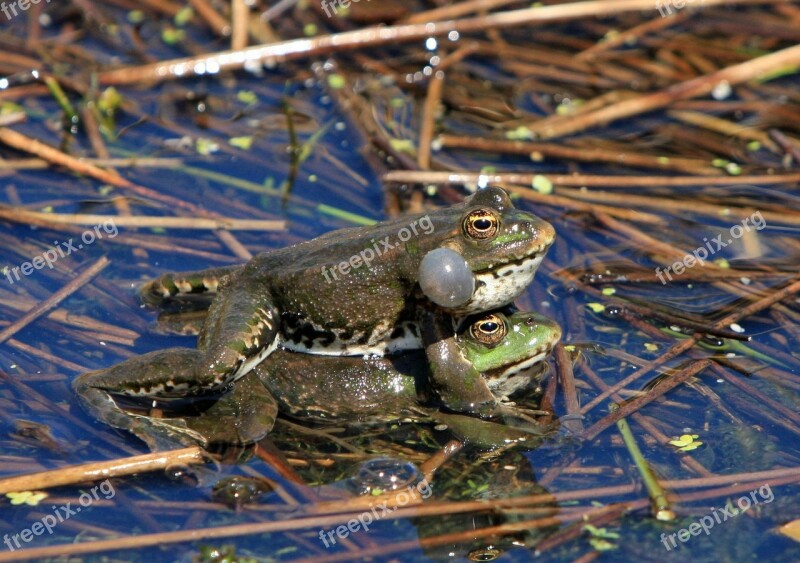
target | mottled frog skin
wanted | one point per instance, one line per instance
(501, 344)
(302, 299)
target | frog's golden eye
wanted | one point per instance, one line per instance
(489, 330)
(481, 224)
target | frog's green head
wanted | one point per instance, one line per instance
(501, 345)
(502, 246)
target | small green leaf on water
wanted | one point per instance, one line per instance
(10, 107)
(542, 184)
(206, 146)
(31, 498)
(183, 16)
(596, 307)
(663, 160)
(489, 170)
(609, 291)
(650, 347)
(243, 143)
(172, 36)
(376, 491)
(135, 16)
(109, 101)
(600, 532)
(601, 544)
(310, 29)
(686, 443)
(753, 146)
(791, 530)
(336, 81)
(403, 145)
(521, 133)
(610, 34)
(722, 263)
(246, 96)
(733, 169)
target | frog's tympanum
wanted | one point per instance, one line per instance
(350, 292)
(498, 345)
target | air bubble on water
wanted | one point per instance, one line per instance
(722, 90)
(453, 36)
(431, 43)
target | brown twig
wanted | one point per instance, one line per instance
(23, 215)
(684, 345)
(637, 403)
(276, 53)
(102, 470)
(52, 301)
(701, 86)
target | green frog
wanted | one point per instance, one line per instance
(500, 345)
(350, 292)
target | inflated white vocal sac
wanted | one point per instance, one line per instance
(445, 278)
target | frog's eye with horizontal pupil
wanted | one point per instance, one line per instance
(490, 330)
(481, 224)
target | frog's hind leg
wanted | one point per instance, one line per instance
(174, 286)
(240, 331)
(96, 391)
(241, 416)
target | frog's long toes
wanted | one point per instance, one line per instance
(165, 434)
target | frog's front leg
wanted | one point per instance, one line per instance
(162, 290)
(460, 386)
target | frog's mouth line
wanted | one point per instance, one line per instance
(499, 375)
(493, 269)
